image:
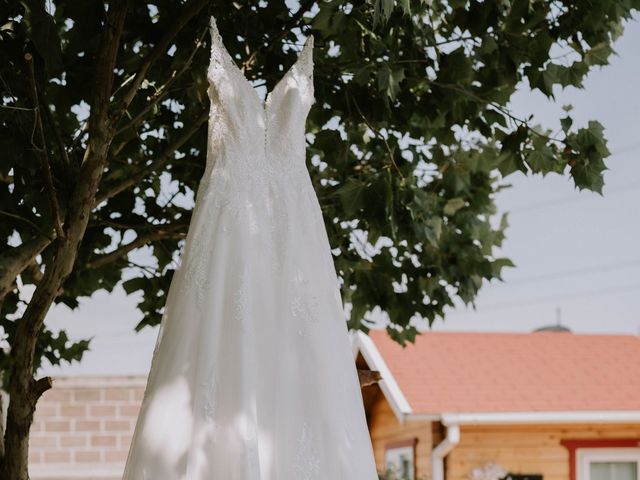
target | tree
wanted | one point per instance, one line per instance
(105, 103)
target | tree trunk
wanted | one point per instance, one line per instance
(15, 457)
(24, 390)
(15, 260)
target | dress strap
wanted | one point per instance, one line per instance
(215, 33)
(305, 68)
(306, 56)
(218, 56)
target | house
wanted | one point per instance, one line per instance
(482, 406)
(454, 406)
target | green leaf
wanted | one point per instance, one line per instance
(498, 264)
(389, 81)
(541, 159)
(493, 116)
(406, 6)
(598, 54)
(453, 205)
(566, 123)
(361, 77)
(134, 284)
(436, 225)
(351, 195)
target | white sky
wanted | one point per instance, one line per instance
(577, 252)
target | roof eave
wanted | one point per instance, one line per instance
(559, 417)
(387, 384)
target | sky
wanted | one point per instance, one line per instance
(577, 254)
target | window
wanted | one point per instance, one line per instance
(399, 459)
(608, 463)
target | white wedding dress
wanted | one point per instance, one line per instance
(253, 376)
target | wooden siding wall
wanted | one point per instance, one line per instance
(385, 428)
(525, 449)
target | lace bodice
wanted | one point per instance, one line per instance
(247, 134)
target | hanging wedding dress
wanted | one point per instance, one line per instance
(253, 376)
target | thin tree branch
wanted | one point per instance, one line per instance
(29, 223)
(291, 22)
(191, 10)
(163, 90)
(165, 157)
(61, 147)
(499, 108)
(379, 134)
(152, 272)
(170, 231)
(41, 149)
(16, 108)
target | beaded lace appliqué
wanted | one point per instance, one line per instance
(305, 305)
(208, 390)
(306, 463)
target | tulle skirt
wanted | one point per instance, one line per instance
(253, 375)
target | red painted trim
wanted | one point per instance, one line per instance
(574, 444)
(410, 442)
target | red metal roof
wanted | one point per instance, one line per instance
(447, 372)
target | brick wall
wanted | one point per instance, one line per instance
(83, 427)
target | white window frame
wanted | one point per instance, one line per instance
(585, 456)
(393, 454)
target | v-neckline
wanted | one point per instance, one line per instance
(263, 103)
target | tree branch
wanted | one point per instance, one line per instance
(176, 26)
(106, 61)
(170, 231)
(290, 23)
(163, 90)
(499, 108)
(35, 228)
(40, 386)
(33, 269)
(386, 142)
(108, 192)
(41, 150)
(61, 147)
(15, 260)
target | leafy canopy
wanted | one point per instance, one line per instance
(409, 140)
